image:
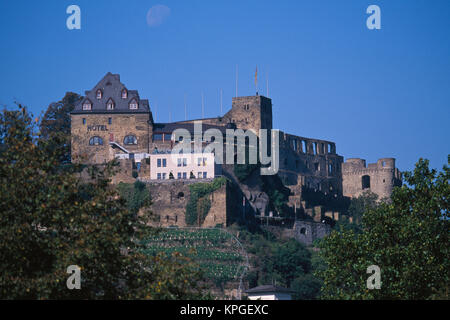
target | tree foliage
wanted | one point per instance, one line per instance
(285, 263)
(55, 125)
(137, 195)
(406, 237)
(51, 220)
(199, 204)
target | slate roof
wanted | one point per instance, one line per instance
(268, 288)
(170, 127)
(111, 88)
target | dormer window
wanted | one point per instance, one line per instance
(87, 105)
(110, 104)
(124, 94)
(133, 104)
(99, 94)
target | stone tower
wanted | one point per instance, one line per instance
(380, 177)
(252, 112)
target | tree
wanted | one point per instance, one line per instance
(360, 204)
(406, 237)
(55, 125)
(306, 287)
(51, 220)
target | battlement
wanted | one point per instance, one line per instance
(380, 177)
(356, 164)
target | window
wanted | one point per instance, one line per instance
(164, 163)
(184, 162)
(316, 166)
(199, 175)
(133, 104)
(95, 141)
(164, 176)
(99, 94)
(109, 120)
(365, 181)
(130, 139)
(179, 162)
(87, 105)
(199, 162)
(204, 175)
(84, 120)
(179, 175)
(167, 136)
(157, 137)
(294, 144)
(124, 93)
(158, 163)
(110, 104)
(247, 106)
(158, 175)
(184, 175)
(204, 162)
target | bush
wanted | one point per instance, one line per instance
(200, 191)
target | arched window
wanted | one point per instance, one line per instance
(133, 104)
(87, 105)
(365, 181)
(130, 139)
(110, 104)
(99, 94)
(124, 93)
(96, 141)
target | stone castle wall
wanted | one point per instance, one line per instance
(170, 198)
(380, 177)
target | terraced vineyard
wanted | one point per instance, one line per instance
(219, 254)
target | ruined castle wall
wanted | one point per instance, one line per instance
(169, 200)
(380, 177)
(308, 231)
(310, 162)
(218, 212)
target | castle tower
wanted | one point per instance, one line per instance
(251, 112)
(380, 177)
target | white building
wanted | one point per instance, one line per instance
(269, 292)
(183, 166)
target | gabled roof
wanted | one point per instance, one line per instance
(111, 89)
(268, 288)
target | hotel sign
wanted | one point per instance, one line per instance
(98, 127)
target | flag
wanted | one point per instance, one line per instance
(256, 76)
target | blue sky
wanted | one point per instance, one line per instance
(376, 93)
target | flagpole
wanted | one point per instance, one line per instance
(203, 107)
(185, 108)
(221, 108)
(237, 77)
(256, 80)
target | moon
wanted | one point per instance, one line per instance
(157, 14)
